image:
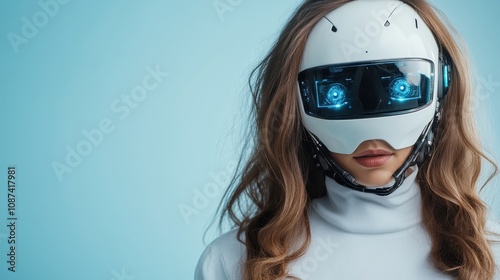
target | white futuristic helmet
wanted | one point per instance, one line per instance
(371, 69)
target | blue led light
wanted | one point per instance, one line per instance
(400, 89)
(445, 77)
(336, 95)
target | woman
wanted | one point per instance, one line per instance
(365, 159)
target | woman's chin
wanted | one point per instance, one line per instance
(374, 180)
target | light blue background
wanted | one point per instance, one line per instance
(118, 215)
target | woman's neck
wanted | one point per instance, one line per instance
(367, 213)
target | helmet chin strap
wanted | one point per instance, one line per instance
(421, 150)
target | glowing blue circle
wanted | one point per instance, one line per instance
(400, 89)
(336, 95)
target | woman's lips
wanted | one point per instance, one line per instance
(373, 158)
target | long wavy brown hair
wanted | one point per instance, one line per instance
(269, 197)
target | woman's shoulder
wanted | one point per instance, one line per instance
(221, 259)
(493, 226)
(493, 234)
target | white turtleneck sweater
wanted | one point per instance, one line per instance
(354, 236)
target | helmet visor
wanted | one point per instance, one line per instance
(365, 90)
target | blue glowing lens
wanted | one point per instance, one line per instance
(402, 90)
(331, 94)
(446, 78)
(336, 95)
